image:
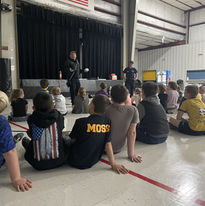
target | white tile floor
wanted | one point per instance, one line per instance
(177, 166)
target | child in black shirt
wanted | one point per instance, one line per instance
(91, 136)
(19, 106)
(163, 96)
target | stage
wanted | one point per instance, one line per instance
(32, 86)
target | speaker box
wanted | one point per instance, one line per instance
(5, 76)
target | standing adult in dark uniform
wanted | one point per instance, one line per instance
(131, 76)
(73, 70)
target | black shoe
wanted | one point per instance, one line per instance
(25, 142)
(9, 118)
(18, 137)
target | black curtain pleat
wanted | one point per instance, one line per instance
(44, 48)
(101, 54)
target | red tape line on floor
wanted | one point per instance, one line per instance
(18, 125)
(153, 182)
(158, 184)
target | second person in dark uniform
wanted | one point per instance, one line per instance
(131, 76)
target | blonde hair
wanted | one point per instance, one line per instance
(15, 94)
(82, 92)
(139, 92)
(4, 101)
(56, 90)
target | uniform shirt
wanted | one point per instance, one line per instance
(195, 109)
(6, 138)
(121, 117)
(91, 135)
(19, 107)
(130, 72)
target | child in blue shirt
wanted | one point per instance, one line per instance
(8, 150)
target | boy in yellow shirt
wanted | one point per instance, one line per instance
(195, 109)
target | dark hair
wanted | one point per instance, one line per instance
(192, 90)
(72, 52)
(173, 85)
(42, 102)
(131, 62)
(44, 83)
(103, 85)
(119, 93)
(149, 88)
(102, 103)
(162, 88)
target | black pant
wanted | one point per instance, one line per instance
(74, 87)
(130, 86)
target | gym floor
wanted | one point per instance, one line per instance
(171, 173)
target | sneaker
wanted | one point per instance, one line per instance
(18, 137)
(9, 118)
(25, 142)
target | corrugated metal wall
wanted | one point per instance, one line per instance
(196, 33)
(177, 59)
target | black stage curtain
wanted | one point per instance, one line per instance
(46, 37)
(101, 54)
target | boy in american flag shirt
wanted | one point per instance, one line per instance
(46, 149)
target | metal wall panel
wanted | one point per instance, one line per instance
(177, 59)
(196, 33)
(162, 10)
(197, 16)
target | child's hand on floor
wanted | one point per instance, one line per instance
(22, 184)
(135, 158)
(120, 169)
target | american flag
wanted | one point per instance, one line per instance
(45, 142)
(81, 2)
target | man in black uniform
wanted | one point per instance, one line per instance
(73, 70)
(131, 76)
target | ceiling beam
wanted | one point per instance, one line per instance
(158, 18)
(106, 11)
(194, 9)
(172, 5)
(164, 46)
(113, 2)
(185, 4)
(198, 2)
(160, 27)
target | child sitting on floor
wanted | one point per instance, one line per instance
(153, 127)
(195, 109)
(44, 85)
(8, 150)
(81, 102)
(172, 99)
(46, 149)
(59, 100)
(202, 92)
(91, 136)
(162, 95)
(180, 94)
(19, 106)
(102, 90)
(137, 97)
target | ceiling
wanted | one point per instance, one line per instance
(184, 5)
(145, 40)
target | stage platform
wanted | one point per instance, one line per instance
(32, 86)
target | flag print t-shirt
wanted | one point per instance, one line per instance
(91, 135)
